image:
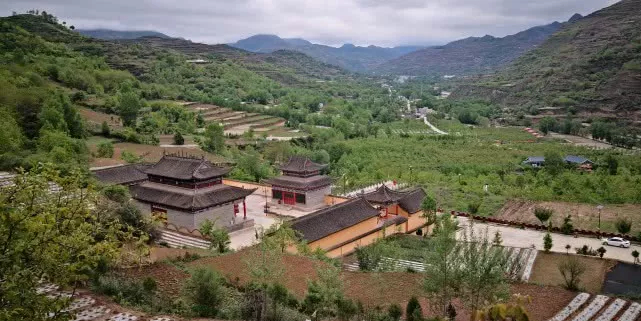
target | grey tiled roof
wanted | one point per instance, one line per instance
(187, 199)
(123, 175)
(330, 220)
(301, 164)
(300, 182)
(185, 168)
(410, 201)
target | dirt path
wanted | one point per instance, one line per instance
(432, 127)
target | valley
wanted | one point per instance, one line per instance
(151, 177)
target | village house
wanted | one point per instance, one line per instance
(301, 184)
(339, 229)
(578, 161)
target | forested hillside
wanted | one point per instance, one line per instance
(108, 34)
(468, 56)
(48, 71)
(591, 67)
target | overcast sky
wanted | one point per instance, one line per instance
(332, 22)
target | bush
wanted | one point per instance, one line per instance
(547, 242)
(543, 214)
(571, 270)
(395, 312)
(179, 139)
(623, 226)
(105, 150)
(116, 193)
(601, 251)
(204, 290)
(586, 250)
(369, 257)
(123, 290)
(473, 207)
(567, 227)
(130, 157)
(413, 311)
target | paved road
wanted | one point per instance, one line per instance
(433, 127)
(517, 237)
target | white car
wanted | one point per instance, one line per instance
(616, 241)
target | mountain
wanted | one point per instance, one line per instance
(108, 34)
(348, 56)
(591, 67)
(470, 55)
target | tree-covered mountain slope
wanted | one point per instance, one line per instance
(470, 55)
(591, 67)
(109, 34)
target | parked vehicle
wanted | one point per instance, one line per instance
(616, 241)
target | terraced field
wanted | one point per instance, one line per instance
(239, 122)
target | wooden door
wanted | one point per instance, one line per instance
(289, 198)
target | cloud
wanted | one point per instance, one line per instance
(333, 22)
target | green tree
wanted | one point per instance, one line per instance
(219, 237)
(105, 150)
(543, 214)
(428, 206)
(104, 129)
(612, 164)
(214, 141)
(567, 227)
(635, 255)
(443, 275)
(413, 310)
(178, 139)
(395, 312)
(623, 225)
(200, 120)
(483, 271)
(553, 163)
(51, 235)
(204, 290)
(325, 293)
(547, 242)
(129, 107)
(547, 124)
(10, 136)
(281, 236)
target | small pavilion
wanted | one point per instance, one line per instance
(406, 203)
(301, 184)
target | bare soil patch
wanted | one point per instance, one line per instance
(98, 118)
(584, 216)
(546, 271)
(169, 279)
(150, 153)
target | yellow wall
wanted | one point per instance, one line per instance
(369, 239)
(333, 200)
(249, 185)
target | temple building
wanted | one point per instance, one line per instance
(402, 203)
(301, 184)
(339, 229)
(186, 191)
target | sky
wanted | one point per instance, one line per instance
(330, 22)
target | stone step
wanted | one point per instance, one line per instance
(173, 238)
(612, 310)
(592, 309)
(632, 313)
